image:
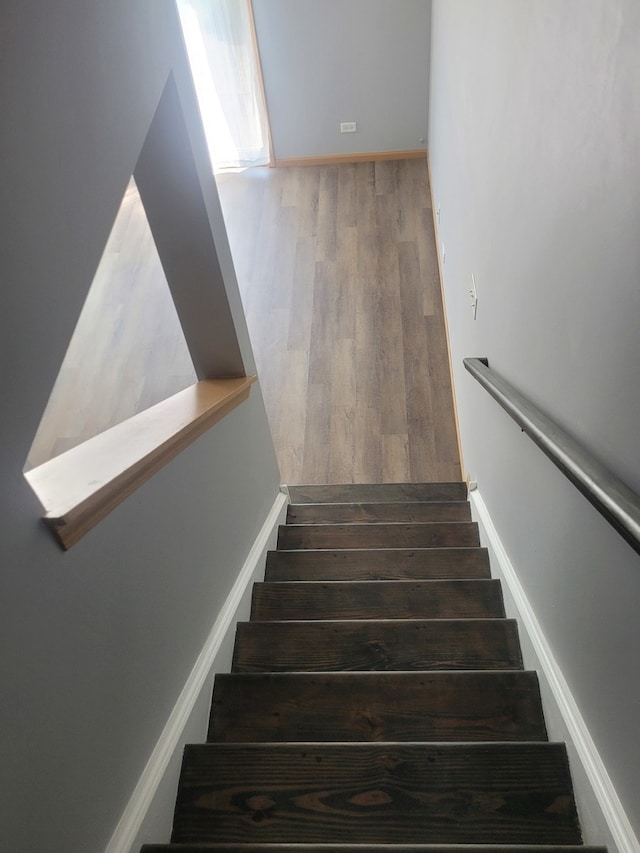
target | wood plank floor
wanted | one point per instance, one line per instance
(338, 273)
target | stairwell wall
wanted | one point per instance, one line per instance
(97, 642)
(533, 131)
(329, 61)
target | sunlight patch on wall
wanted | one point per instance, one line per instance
(128, 351)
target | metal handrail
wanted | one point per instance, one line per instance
(619, 504)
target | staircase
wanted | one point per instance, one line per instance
(377, 699)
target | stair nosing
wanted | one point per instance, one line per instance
(379, 524)
(374, 503)
(325, 847)
(294, 746)
(406, 621)
(414, 673)
(327, 581)
(392, 549)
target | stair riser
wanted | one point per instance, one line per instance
(377, 645)
(377, 707)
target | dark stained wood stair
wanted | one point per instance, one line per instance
(379, 535)
(437, 599)
(419, 511)
(377, 699)
(389, 706)
(377, 564)
(377, 644)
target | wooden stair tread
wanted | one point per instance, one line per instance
(372, 513)
(377, 696)
(422, 599)
(366, 706)
(377, 564)
(378, 645)
(384, 535)
(371, 492)
(383, 792)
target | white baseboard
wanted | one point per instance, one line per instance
(170, 740)
(603, 818)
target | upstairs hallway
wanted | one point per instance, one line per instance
(338, 273)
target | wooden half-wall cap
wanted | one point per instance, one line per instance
(80, 487)
(335, 159)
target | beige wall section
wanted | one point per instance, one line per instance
(97, 642)
(331, 61)
(533, 138)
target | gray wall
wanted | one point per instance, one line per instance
(329, 61)
(98, 642)
(533, 136)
